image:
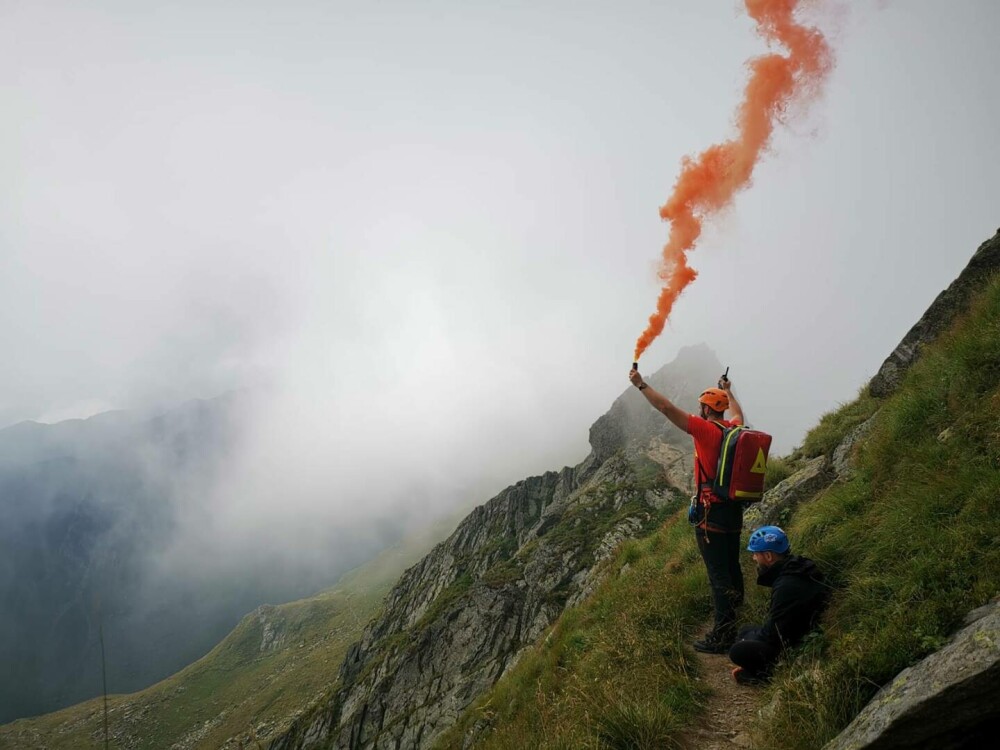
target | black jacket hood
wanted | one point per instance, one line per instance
(793, 565)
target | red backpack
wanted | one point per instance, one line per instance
(742, 464)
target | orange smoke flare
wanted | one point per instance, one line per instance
(709, 183)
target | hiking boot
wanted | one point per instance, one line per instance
(743, 677)
(710, 645)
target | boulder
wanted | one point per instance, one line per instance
(950, 700)
(779, 501)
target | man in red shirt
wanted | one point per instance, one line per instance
(717, 522)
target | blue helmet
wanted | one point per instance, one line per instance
(769, 539)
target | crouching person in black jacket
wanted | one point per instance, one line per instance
(798, 596)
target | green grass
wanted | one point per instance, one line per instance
(236, 690)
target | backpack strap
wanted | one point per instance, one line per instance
(724, 469)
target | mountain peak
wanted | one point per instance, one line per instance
(632, 422)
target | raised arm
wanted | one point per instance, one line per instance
(660, 402)
(735, 410)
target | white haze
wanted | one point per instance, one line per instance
(427, 232)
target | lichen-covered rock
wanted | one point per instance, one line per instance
(272, 635)
(843, 456)
(950, 303)
(779, 501)
(950, 700)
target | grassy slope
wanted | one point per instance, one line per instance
(910, 543)
(237, 690)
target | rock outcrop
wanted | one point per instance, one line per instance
(460, 618)
(950, 303)
(778, 502)
(842, 462)
(949, 701)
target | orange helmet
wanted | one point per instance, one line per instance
(715, 399)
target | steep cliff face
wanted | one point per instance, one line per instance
(459, 619)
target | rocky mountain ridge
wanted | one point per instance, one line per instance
(459, 619)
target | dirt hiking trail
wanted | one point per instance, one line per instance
(729, 710)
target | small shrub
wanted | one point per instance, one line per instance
(632, 725)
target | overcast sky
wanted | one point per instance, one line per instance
(432, 227)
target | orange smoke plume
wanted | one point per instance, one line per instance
(710, 182)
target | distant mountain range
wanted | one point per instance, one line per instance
(88, 508)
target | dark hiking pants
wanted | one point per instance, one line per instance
(756, 657)
(721, 553)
